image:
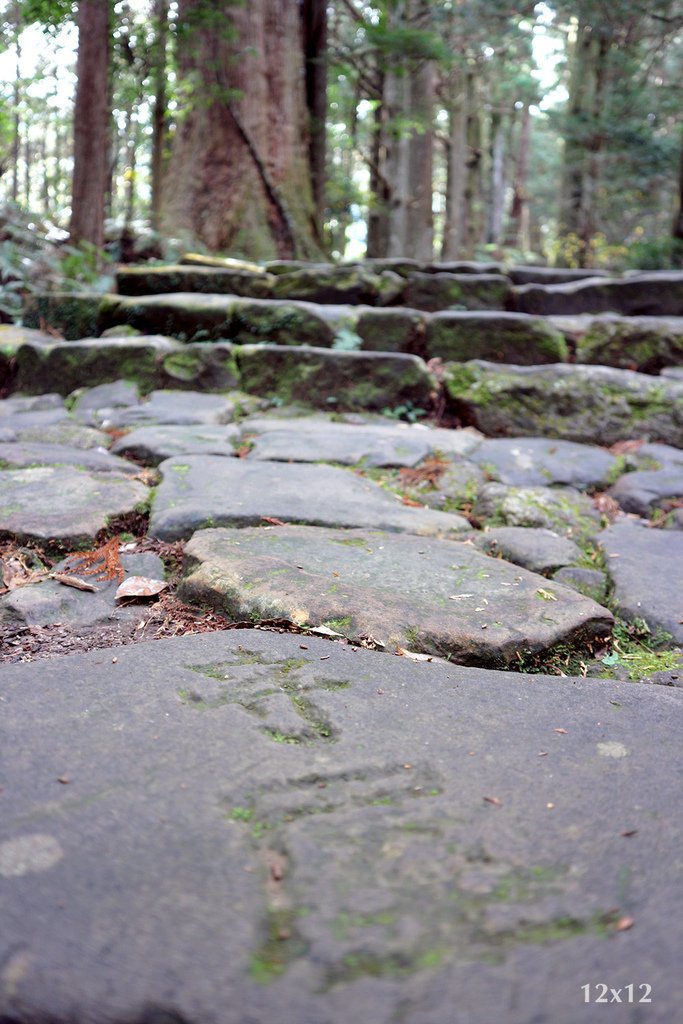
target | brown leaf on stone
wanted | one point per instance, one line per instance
(606, 506)
(405, 500)
(493, 800)
(562, 732)
(623, 924)
(429, 472)
(624, 447)
(103, 561)
(273, 521)
(140, 587)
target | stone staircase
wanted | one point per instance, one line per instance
(534, 370)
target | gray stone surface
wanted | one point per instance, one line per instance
(62, 503)
(642, 491)
(21, 454)
(93, 405)
(51, 602)
(647, 344)
(190, 868)
(205, 490)
(151, 445)
(594, 404)
(591, 582)
(642, 294)
(535, 461)
(180, 408)
(64, 432)
(550, 275)
(538, 550)
(561, 509)
(313, 439)
(435, 596)
(644, 565)
(456, 291)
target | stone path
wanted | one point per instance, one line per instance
(293, 822)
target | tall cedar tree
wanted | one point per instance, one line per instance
(91, 123)
(239, 177)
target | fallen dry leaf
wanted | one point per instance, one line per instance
(562, 732)
(413, 655)
(493, 800)
(429, 472)
(623, 924)
(273, 521)
(73, 581)
(405, 500)
(606, 506)
(630, 832)
(140, 587)
(623, 447)
(323, 631)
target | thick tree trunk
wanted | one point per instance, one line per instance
(239, 176)
(161, 8)
(314, 13)
(91, 124)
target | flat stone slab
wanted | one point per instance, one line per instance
(180, 408)
(644, 490)
(313, 439)
(640, 561)
(538, 550)
(63, 504)
(151, 445)
(22, 454)
(535, 461)
(157, 829)
(50, 602)
(647, 344)
(431, 596)
(593, 404)
(562, 509)
(205, 490)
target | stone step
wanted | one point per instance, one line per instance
(654, 294)
(592, 404)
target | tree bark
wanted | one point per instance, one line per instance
(456, 172)
(91, 124)
(496, 203)
(314, 13)
(16, 122)
(519, 235)
(677, 230)
(380, 195)
(239, 177)
(161, 8)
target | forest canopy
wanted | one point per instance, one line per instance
(540, 132)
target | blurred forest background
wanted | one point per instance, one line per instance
(436, 129)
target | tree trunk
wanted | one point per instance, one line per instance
(91, 124)
(472, 196)
(583, 137)
(16, 124)
(409, 97)
(161, 8)
(456, 171)
(314, 13)
(677, 230)
(239, 178)
(496, 204)
(519, 235)
(380, 196)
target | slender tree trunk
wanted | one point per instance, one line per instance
(314, 14)
(16, 123)
(378, 214)
(496, 203)
(456, 172)
(131, 168)
(519, 232)
(91, 124)
(161, 9)
(472, 196)
(677, 230)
